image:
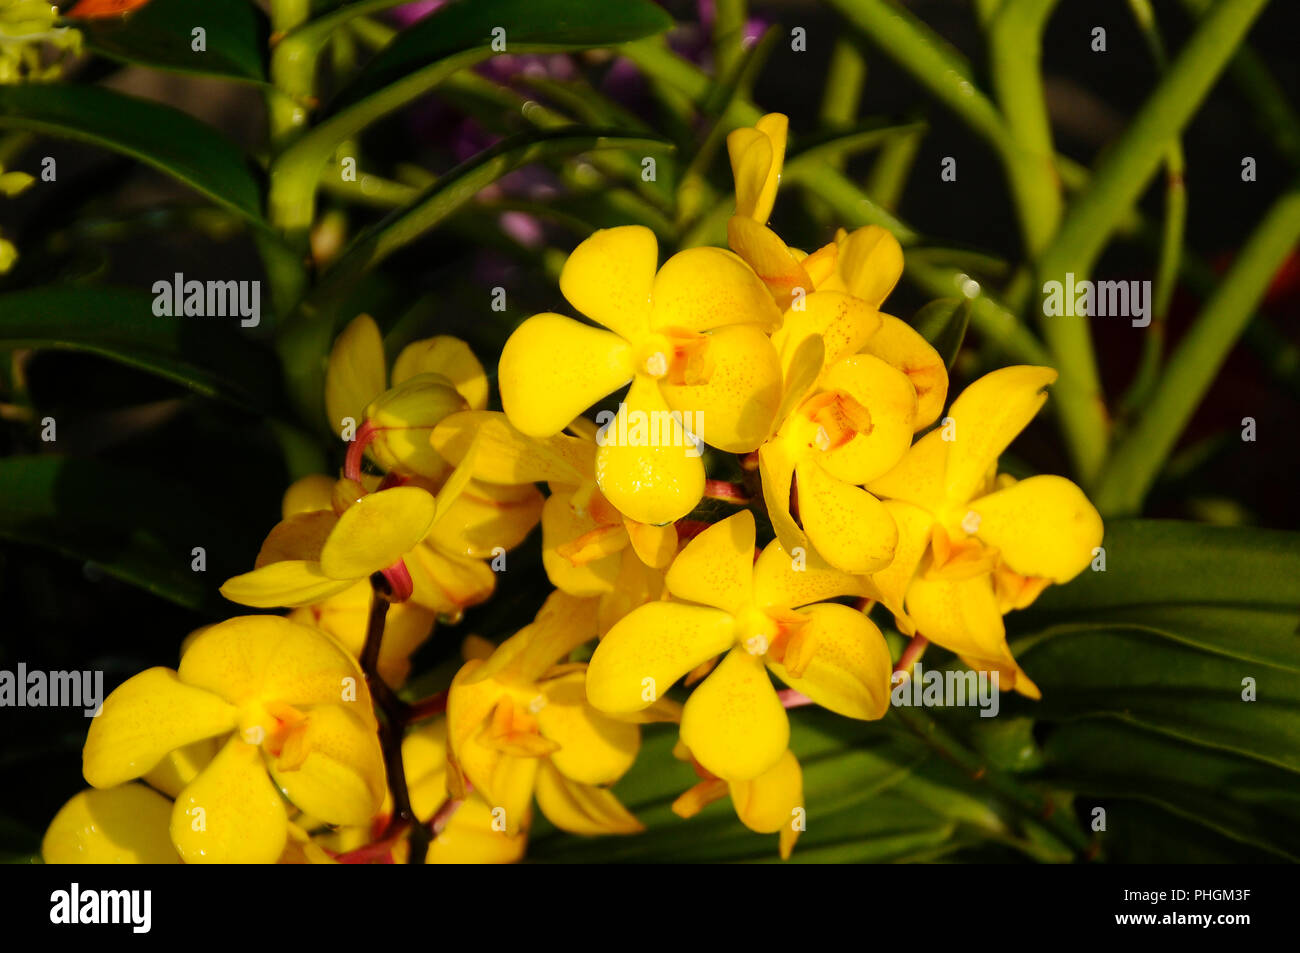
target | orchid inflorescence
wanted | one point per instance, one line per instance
(265, 745)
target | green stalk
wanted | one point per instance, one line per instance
(1116, 185)
(1192, 368)
(1172, 236)
(1015, 53)
(729, 35)
(893, 165)
(843, 91)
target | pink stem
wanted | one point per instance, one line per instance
(915, 649)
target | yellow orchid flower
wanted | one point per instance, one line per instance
(312, 555)
(292, 714)
(431, 378)
(765, 614)
(972, 545)
(835, 292)
(520, 726)
(583, 535)
(690, 338)
(768, 804)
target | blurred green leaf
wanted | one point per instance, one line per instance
(943, 323)
(160, 35)
(1247, 801)
(529, 25)
(171, 141)
(135, 526)
(216, 361)
(459, 186)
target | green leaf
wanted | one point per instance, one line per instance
(159, 35)
(872, 795)
(210, 356)
(460, 185)
(1165, 639)
(1250, 802)
(943, 323)
(171, 141)
(529, 25)
(145, 537)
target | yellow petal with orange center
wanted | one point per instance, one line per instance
(704, 288)
(899, 344)
(851, 529)
(232, 813)
(341, 777)
(735, 408)
(987, 416)
(849, 668)
(561, 526)
(553, 368)
(733, 722)
(145, 718)
(650, 649)
(1043, 526)
(376, 531)
(887, 395)
(716, 568)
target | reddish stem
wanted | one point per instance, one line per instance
(793, 699)
(429, 707)
(357, 450)
(912, 653)
(726, 491)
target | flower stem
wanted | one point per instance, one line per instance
(394, 712)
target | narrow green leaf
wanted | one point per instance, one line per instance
(171, 141)
(210, 356)
(160, 35)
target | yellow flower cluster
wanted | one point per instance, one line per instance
(266, 736)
